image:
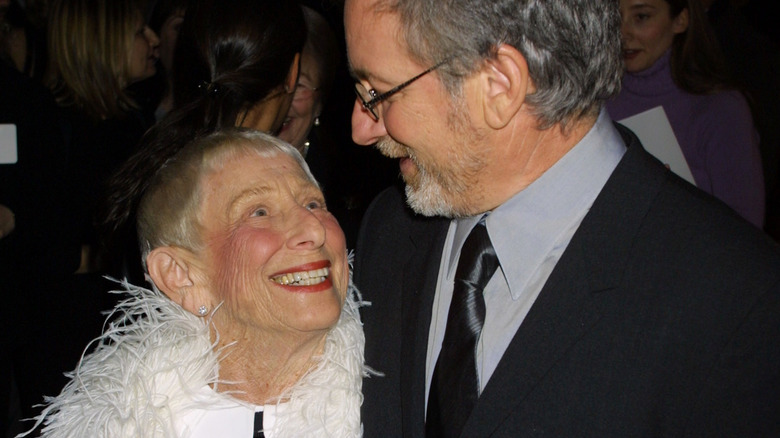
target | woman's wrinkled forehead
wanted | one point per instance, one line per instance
(230, 194)
(217, 160)
(234, 168)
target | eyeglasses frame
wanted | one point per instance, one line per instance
(378, 98)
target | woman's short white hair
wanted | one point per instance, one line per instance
(168, 211)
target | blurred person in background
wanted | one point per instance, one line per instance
(41, 326)
(318, 68)
(166, 20)
(672, 59)
(23, 36)
(98, 48)
(236, 64)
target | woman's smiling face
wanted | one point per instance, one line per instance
(272, 253)
(648, 31)
(144, 53)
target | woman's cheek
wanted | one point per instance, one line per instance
(241, 258)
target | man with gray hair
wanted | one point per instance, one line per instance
(551, 278)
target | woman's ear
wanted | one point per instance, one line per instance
(174, 272)
(292, 75)
(680, 22)
(505, 82)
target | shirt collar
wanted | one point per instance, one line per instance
(528, 226)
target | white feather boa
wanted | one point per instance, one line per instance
(155, 357)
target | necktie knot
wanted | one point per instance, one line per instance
(478, 261)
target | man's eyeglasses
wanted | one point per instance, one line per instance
(371, 99)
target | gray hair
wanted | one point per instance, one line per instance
(168, 214)
(572, 47)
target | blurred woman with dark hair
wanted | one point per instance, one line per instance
(236, 65)
(672, 60)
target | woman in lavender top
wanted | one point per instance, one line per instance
(672, 61)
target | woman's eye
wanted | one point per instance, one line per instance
(260, 212)
(642, 17)
(314, 205)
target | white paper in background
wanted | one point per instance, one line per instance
(8, 151)
(654, 131)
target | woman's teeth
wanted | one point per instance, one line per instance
(302, 278)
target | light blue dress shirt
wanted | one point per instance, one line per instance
(529, 232)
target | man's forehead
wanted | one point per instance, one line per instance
(375, 6)
(361, 17)
(370, 33)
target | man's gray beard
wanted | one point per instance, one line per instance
(427, 197)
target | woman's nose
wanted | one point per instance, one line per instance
(365, 130)
(151, 37)
(625, 30)
(307, 232)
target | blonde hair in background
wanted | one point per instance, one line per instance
(90, 42)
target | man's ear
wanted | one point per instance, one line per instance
(505, 84)
(292, 75)
(174, 272)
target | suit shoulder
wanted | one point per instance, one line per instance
(390, 201)
(388, 214)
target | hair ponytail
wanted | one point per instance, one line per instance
(232, 55)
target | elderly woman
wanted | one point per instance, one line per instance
(251, 324)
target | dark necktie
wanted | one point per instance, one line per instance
(454, 386)
(258, 427)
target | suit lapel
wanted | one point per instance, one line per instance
(563, 312)
(569, 304)
(420, 275)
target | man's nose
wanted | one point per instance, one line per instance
(365, 130)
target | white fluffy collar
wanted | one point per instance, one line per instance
(154, 358)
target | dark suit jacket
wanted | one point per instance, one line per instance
(662, 318)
